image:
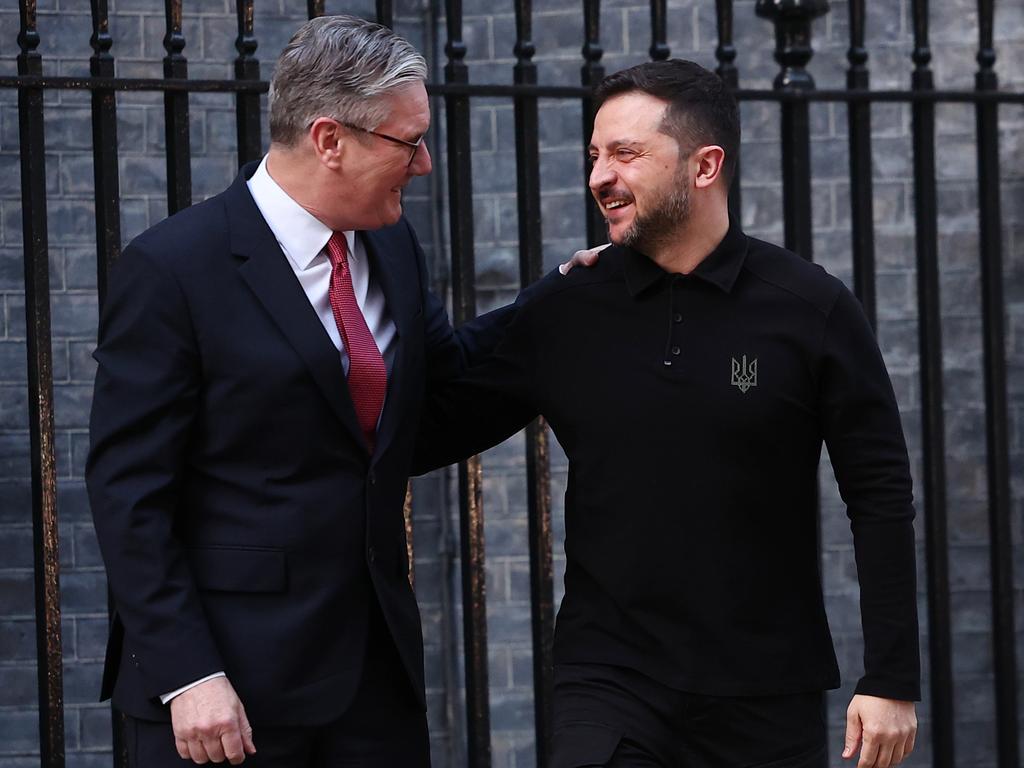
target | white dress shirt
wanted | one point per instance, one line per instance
(303, 238)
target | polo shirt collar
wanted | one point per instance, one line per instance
(721, 267)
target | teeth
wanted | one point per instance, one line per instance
(616, 204)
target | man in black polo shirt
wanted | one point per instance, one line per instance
(706, 368)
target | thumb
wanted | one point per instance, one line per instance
(590, 257)
(853, 732)
(247, 743)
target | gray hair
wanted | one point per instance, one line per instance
(337, 66)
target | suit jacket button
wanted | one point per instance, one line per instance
(371, 555)
(373, 478)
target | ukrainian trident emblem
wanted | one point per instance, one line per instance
(744, 375)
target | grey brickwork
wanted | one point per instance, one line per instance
(137, 27)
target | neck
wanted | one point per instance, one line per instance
(693, 241)
(302, 178)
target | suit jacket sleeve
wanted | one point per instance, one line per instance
(869, 456)
(144, 409)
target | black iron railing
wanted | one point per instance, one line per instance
(793, 90)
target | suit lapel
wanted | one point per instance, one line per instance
(390, 258)
(266, 271)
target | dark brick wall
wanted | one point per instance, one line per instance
(137, 27)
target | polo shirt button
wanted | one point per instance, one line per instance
(677, 317)
(675, 350)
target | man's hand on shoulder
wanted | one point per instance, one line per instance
(884, 729)
(209, 724)
(586, 258)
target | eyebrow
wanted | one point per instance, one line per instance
(618, 143)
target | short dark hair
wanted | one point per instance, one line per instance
(701, 108)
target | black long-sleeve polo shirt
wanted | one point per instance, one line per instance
(692, 409)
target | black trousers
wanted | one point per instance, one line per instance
(384, 727)
(617, 718)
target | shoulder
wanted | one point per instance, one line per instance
(785, 271)
(188, 237)
(579, 281)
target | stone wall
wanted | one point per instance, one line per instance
(138, 27)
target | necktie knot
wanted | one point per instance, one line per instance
(337, 250)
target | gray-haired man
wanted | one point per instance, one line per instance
(263, 358)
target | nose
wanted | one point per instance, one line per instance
(600, 176)
(421, 162)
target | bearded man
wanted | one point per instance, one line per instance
(707, 367)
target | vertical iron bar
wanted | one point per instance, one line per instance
(386, 13)
(314, 8)
(471, 526)
(591, 74)
(659, 49)
(407, 516)
(932, 420)
(40, 384)
(996, 413)
(538, 469)
(792, 20)
(247, 105)
(179, 163)
(725, 53)
(108, 229)
(104, 150)
(858, 114)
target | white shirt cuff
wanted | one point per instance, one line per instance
(168, 696)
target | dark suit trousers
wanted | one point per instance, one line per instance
(384, 727)
(613, 717)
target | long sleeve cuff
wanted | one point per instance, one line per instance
(166, 697)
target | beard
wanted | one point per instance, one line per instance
(659, 225)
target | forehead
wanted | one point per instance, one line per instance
(633, 116)
(408, 108)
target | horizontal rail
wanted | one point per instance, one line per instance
(540, 91)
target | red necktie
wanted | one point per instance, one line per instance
(367, 374)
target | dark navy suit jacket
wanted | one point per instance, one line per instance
(243, 525)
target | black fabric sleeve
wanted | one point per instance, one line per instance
(485, 405)
(869, 456)
(144, 404)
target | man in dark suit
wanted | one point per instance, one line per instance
(263, 358)
(705, 369)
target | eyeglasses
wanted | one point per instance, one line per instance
(413, 145)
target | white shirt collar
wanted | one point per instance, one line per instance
(301, 235)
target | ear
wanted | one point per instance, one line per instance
(709, 161)
(329, 141)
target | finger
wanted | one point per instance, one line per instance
(884, 756)
(182, 746)
(247, 742)
(911, 741)
(897, 753)
(853, 733)
(868, 753)
(198, 753)
(214, 748)
(231, 742)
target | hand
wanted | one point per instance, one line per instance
(209, 724)
(582, 259)
(888, 728)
